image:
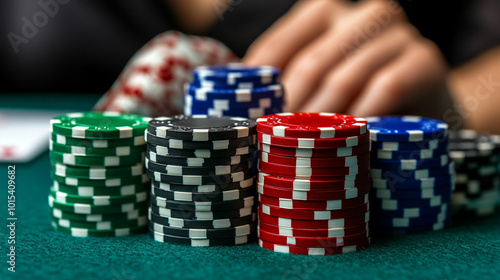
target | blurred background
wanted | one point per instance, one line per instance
(82, 46)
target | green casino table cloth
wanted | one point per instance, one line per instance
(467, 249)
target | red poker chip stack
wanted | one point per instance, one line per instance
(313, 183)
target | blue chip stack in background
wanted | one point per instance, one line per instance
(478, 182)
(234, 90)
(412, 175)
(203, 182)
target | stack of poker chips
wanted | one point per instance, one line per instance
(313, 183)
(411, 173)
(478, 183)
(100, 186)
(203, 182)
(234, 90)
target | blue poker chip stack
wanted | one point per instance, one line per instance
(234, 90)
(412, 175)
(477, 159)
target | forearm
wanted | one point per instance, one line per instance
(475, 89)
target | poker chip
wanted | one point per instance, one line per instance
(304, 232)
(305, 184)
(198, 162)
(405, 128)
(86, 151)
(200, 153)
(212, 188)
(99, 191)
(312, 195)
(188, 170)
(98, 200)
(477, 157)
(313, 172)
(313, 182)
(201, 215)
(96, 161)
(312, 125)
(97, 173)
(201, 179)
(313, 205)
(313, 162)
(316, 224)
(313, 215)
(313, 242)
(238, 240)
(202, 189)
(311, 153)
(93, 125)
(116, 182)
(130, 215)
(234, 90)
(325, 251)
(236, 75)
(195, 233)
(412, 175)
(221, 195)
(193, 145)
(100, 185)
(201, 224)
(80, 208)
(98, 143)
(202, 128)
(200, 206)
(313, 143)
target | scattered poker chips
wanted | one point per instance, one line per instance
(100, 187)
(313, 183)
(412, 176)
(203, 180)
(234, 90)
(477, 162)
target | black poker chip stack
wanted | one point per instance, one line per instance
(203, 180)
(477, 159)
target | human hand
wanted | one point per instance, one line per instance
(359, 58)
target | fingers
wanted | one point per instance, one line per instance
(309, 67)
(414, 72)
(306, 21)
(342, 84)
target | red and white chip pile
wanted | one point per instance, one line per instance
(152, 82)
(313, 183)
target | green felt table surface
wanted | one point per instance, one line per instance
(467, 250)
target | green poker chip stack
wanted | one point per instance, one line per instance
(100, 185)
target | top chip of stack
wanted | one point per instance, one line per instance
(412, 176)
(202, 190)
(234, 90)
(477, 165)
(313, 183)
(100, 187)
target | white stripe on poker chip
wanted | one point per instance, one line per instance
(52, 122)
(111, 161)
(60, 139)
(200, 134)
(125, 131)
(97, 173)
(243, 95)
(78, 131)
(123, 151)
(220, 144)
(69, 159)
